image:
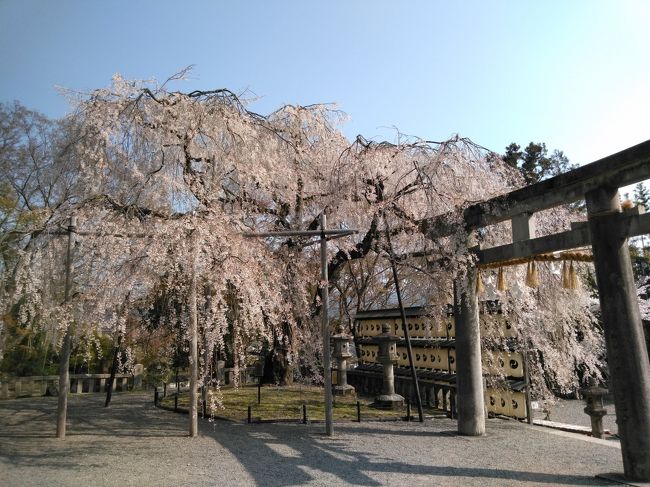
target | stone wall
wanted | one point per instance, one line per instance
(41, 385)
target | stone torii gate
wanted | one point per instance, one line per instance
(607, 231)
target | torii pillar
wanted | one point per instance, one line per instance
(627, 355)
(469, 372)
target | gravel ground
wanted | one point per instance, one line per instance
(133, 443)
(572, 412)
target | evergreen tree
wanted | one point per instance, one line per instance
(534, 163)
(512, 155)
(642, 195)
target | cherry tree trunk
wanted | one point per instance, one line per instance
(194, 355)
(64, 362)
(111, 379)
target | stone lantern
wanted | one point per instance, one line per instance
(342, 354)
(595, 408)
(387, 357)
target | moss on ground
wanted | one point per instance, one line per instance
(285, 403)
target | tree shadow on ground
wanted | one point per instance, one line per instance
(129, 415)
(271, 454)
(290, 456)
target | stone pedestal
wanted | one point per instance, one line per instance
(342, 354)
(387, 358)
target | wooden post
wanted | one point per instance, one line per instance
(529, 409)
(407, 336)
(194, 354)
(627, 356)
(324, 302)
(453, 410)
(111, 380)
(206, 369)
(329, 430)
(469, 372)
(444, 390)
(64, 362)
(204, 402)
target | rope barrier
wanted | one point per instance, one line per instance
(563, 256)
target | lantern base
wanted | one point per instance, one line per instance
(389, 401)
(346, 390)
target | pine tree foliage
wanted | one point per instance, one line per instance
(534, 162)
(642, 195)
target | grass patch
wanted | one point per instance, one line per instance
(285, 403)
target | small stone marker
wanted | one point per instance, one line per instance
(138, 371)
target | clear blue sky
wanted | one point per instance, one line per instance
(573, 74)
